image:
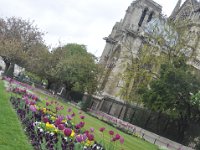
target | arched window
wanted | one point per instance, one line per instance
(185, 13)
(150, 17)
(142, 17)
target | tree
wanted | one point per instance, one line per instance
(76, 68)
(17, 36)
(38, 60)
(171, 93)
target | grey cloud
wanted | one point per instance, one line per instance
(81, 21)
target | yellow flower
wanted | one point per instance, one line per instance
(53, 118)
(56, 130)
(49, 126)
(44, 110)
(73, 133)
(63, 121)
(89, 143)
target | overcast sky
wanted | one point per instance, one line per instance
(74, 21)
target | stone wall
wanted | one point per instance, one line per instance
(153, 122)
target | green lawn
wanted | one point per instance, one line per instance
(131, 142)
(12, 136)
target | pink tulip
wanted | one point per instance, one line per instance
(92, 129)
(33, 108)
(121, 140)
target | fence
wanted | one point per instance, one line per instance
(135, 130)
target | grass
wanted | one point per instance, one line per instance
(131, 142)
(12, 136)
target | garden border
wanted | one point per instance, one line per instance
(135, 130)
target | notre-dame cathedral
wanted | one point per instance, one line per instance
(130, 29)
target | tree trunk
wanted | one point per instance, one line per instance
(7, 64)
(50, 82)
(10, 70)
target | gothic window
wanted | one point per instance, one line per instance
(150, 16)
(142, 17)
(185, 13)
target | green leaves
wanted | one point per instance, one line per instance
(171, 93)
(76, 68)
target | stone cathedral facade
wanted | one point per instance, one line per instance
(127, 38)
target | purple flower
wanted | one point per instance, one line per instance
(117, 136)
(73, 114)
(90, 137)
(61, 126)
(58, 121)
(69, 110)
(69, 117)
(45, 119)
(78, 126)
(86, 132)
(84, 137)
(47, 103)
(82, 117)
(32, 102)
(92, 129)
(121, 140)
(27, 102)
(111, 132)
(81, 124)
(102, 129)
(81, 137)
(67, 131)
(33, 108)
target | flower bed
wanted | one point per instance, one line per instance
(49, 130)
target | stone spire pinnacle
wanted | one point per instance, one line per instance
(178, 5)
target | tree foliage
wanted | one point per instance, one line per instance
(76, 68)
(17, 36)
(171, 93)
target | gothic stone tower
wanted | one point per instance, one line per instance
(190, 10)
(124, 41)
